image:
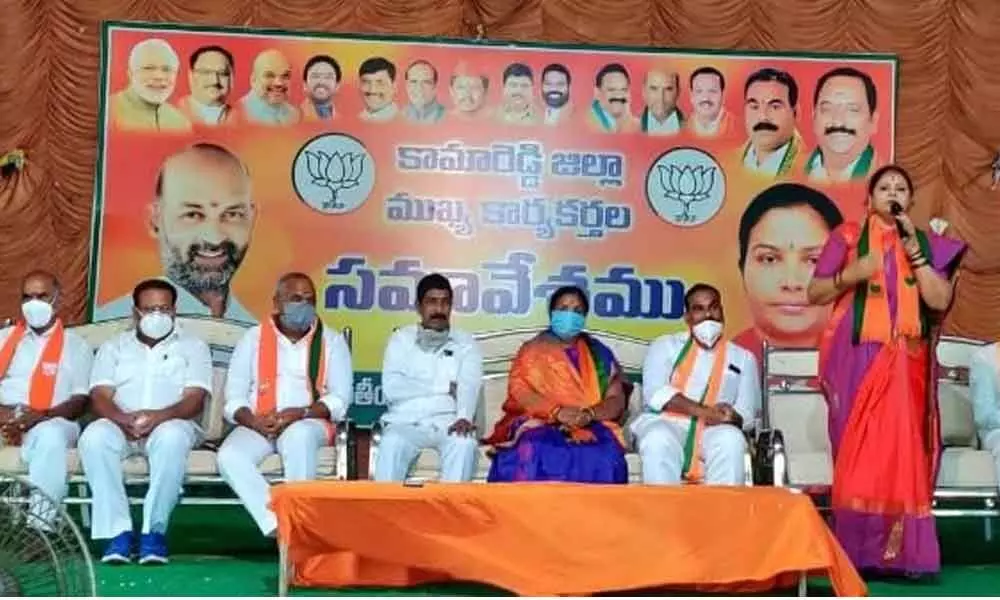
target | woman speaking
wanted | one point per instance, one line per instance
(889, 281)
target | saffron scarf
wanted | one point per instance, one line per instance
(43, 377)
(543, 380)
(679, 377)
(267, 365)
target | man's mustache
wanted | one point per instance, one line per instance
(838, 129)
(765, 126)
(618, 100)
(554, 96)
(438, 316)
(321, 86)
(227, 247)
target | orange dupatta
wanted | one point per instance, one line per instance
(543, 380)
(267, 365)
(679, 378)
(43, 377)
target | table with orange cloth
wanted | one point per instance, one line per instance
(545, 539)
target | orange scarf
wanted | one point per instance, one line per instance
(267, 366)
(875, 322)
(682, 370)
(43, 378)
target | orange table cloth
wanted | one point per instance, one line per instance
(545, 539)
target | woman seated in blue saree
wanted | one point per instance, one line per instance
(566, 398)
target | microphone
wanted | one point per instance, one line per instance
(897, 209)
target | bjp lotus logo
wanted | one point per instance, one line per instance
(333, 173)
(685, 187)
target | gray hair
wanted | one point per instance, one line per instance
(133, 57)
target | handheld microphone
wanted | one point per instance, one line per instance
(897, 209)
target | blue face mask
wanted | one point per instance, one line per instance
(298, 316)
(566, 324)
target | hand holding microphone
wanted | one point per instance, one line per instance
(897, 209)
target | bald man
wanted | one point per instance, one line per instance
(267, 101)
(290, 378)
(152, 76)
(44, 380)
(202, 216)
(661, 115)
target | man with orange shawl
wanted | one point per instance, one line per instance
(876, 364)
(565, 400)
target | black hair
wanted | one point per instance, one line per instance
(873, 180)
(375, 64)
(785, 195)
(870, 93)
(154, 284)
(558, 68)
(517, 70)
(708, 71)
(783, 77)
(322, 58)
(434, 281)
(205, 50)
(608, 70)
(567, 290)
(696, 288)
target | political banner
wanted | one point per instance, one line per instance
(231, 157)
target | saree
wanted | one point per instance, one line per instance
(882, 405)
(528, 443)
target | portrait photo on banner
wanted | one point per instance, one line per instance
(229, 157)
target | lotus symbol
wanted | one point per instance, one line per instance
(686, 185)
(336, 172)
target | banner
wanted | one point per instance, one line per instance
(230, 157)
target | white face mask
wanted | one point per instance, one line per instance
(37, 313)
(707, 332)
(156, 325)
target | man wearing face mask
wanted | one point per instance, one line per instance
(431, 377)
(290, 379)
(700, 392)
(44, 376)
(148, 386)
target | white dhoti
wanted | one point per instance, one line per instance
(661, 448)
(103, 447)
(991, 443)
(44, 450)
(402, 443)
(244, 449)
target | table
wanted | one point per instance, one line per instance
(545, 539)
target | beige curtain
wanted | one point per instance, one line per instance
(946, 134)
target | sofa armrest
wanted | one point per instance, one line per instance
(373, 444)
(345, 450)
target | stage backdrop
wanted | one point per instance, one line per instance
(511, 168)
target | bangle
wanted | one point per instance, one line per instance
(590, 413)
(838, 279)
(554, 415)
(916, 264)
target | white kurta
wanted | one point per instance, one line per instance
(299, 444)
(661, 438)
(984, 391)
(143, 378)
(44, 447)
(416, 385)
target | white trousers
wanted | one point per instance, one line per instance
(661, 448)
(103, 447)
(244, 449)
(44, 450)
(991, 442)
(402, 443)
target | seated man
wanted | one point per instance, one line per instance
(565, 400)
(431, 377)
(44, 377)
(984, 389)
(148, 386)
(289, 377)
(700, 392)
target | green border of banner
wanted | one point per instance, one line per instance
(97, 202)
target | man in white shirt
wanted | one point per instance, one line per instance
(697, 379)
(44, 377)
(431, 378)
(289, 377)
(148, 386)
(984, 390)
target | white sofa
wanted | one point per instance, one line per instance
(222, 336)
(795, 407)
(498, 349)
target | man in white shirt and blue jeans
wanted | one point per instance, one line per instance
(431, 378)
(148, 386)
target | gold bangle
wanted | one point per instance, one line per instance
(838, 279)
